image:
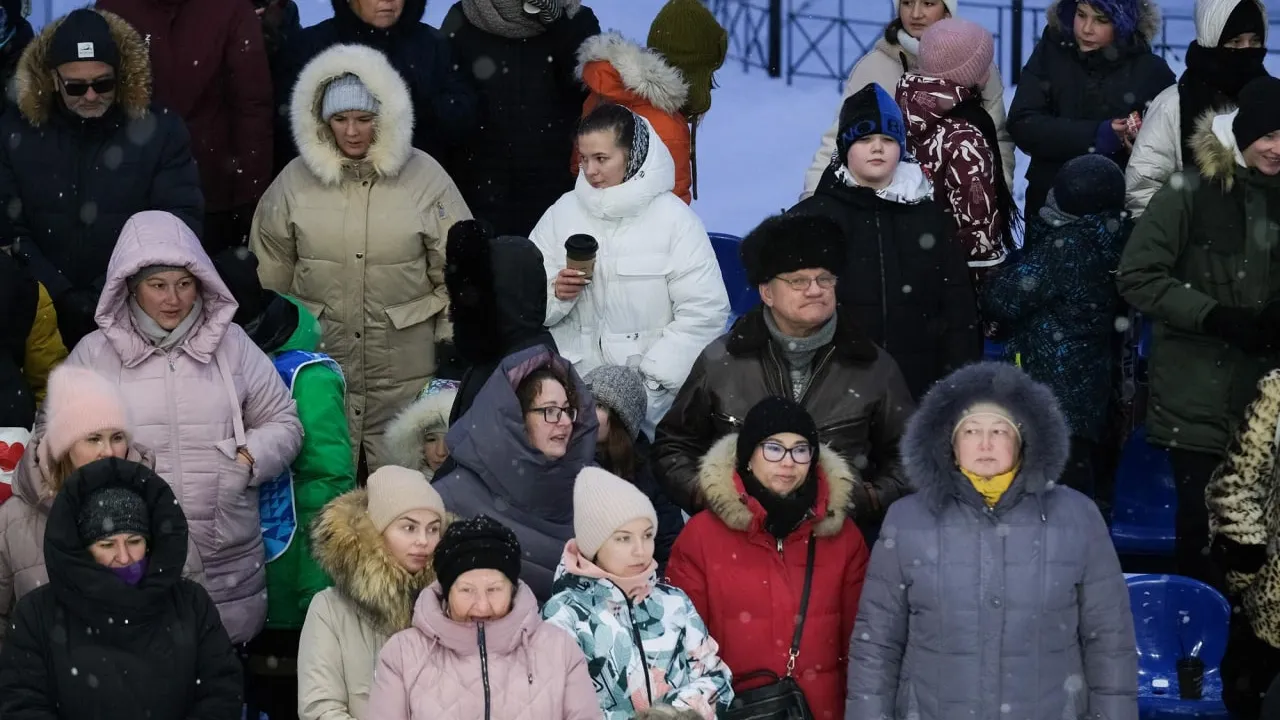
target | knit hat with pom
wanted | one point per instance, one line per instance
(602, 503)
(80, 403)
(957, 50)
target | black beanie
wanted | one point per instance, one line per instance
(870, 111)
(771, 416)
(1259, 114)
(474, 544)
(111, 511)
(1089, 185)
(786, 243)
(83, 35)
(1246, 18)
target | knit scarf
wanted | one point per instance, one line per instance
(782, 513)
(504, 18)
(1213, 80)
(636, 587)
(158, 336)
(909, 44)
(799, 352)
(1055, 215)
(993, 488)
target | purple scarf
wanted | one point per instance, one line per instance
(132, 574)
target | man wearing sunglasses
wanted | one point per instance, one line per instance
(85, 150)
(795, 345)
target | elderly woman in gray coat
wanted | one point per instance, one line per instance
(993, 592)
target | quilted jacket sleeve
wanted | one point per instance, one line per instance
(710, 680)
(685, 569)
(389, 698)
(545, 236)
(1157, 153)
(879, 638)
(580, 701)
(1106, 627)
(441, 211)
(26, 690)
(274, 433)
(271, 239)
(700, 306)
(322, 687)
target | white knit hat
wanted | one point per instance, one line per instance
(988, 409)
(602, 503)
(394, 491)
(952, 6)
(1212, 16)
(345, 94)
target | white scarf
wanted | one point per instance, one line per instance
(158, 336)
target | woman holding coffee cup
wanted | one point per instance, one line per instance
(632, 275)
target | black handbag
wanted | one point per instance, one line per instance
(782, 698)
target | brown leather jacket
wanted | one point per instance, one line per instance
(857, 396)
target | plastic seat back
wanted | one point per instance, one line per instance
(742, 294)
(1145, 501)
(1175, 617)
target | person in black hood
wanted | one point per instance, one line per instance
(118, 632)
(444, 103)
(497, 302)
(15, 35)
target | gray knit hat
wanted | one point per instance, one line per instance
(111, 511)
(621, 389)
(345, 94)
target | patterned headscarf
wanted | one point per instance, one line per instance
(639, 148)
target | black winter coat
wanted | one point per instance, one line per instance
(444, 104)
(87, 646)
(19, 297)
(906, 284)
(70, 183)
(1064, 95)
(516, 163)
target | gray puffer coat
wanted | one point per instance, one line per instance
(1018, 611)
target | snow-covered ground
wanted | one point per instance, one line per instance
(760, 136)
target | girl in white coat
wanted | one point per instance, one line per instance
(654, 298)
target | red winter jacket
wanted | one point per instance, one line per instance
(747, 585)
(209, 65)
(958, 161)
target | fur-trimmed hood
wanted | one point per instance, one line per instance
(404, 435)
(1147, 25)
(36, 93)
(1214, 142)
(349, 549)
(727, 497)
(393, 129)
(927, 451)
(616, 68)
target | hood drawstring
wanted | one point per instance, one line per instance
(693, 155)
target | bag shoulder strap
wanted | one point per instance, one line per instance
(804, 604)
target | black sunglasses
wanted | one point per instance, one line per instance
(76, 88)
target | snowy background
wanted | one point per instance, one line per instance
(759, 138)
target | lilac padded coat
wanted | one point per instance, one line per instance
(194, 405)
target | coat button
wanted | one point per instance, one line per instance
(357, 336)
(359, 256)
(995, 602)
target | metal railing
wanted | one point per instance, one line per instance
(824, 38)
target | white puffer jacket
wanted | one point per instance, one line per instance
(656, 298)
(1157, 153)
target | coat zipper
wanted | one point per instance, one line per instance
(484, 669)
(644, 661)
(884, 292)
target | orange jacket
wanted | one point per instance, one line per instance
(619, 71)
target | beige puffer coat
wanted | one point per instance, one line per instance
(347, 624)
(361, 243)
(22, 521)
(883, 66)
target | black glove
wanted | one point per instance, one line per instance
(1238, 326)
(1234, 557)
(449, 364)
(238, 268)
(75, 310)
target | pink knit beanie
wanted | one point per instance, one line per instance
(957, 50)
(602, 503)
(80, 402)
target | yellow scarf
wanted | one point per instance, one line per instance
(992, 488)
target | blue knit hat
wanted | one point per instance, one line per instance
(870, 111)
(1124, 14)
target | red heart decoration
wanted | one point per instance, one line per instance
(10, 455)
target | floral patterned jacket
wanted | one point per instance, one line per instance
(681, 660)
(958, 161)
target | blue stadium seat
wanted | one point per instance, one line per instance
(1175, 616)
(742, 295)
(1145, 501)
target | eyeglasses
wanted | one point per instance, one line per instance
(552, 414)
(76, 88)
(801, 454)
(826, 282)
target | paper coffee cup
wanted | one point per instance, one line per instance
(586, 266)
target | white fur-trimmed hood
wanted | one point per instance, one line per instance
(403, 439)
(393, 135)
(641, 70)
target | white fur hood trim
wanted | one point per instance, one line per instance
(643, 71)
(393, 129)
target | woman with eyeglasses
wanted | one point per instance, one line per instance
(517, 451)
(772, 492)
